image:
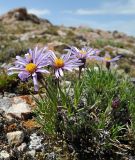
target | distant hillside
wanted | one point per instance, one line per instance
(20, 31)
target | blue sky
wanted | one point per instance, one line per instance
(103, 14)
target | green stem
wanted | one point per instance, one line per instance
(80, 71)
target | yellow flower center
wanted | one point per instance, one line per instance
(58, 63)
(31, 67)
(82, 52)
(107, 58)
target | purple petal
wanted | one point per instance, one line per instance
(21, 59)
(115, 59)
(68, 68)
(96, 58)
(43, 64)
(20, 63)
(66, 56)
(23, 75)
(28, 57)
(16, 68)
(57, 73)
(32, 54)
(61, 72)
(42, 71)
(53, 56)
(34, 75)
(42, 59)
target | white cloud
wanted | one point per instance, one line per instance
(67, 12)
(89, 12)
(39, 12)
(112, 7)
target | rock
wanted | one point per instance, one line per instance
(11, 95)
(124, 52)
(117, 34)
(18, 100)
(22, 147)
(116, 50)
(15, 137)
(131, 158)
(4, 155)
(51, 156)
(6, 94)
(31, 153)
(2, 111)
(20, 110)
(24, 99)
(30, 124)
(21, 14)
(109, 48)
(35, 143)
(1, 96)
(62, 33)
(5, 103)
(27, 36)
(132, 80)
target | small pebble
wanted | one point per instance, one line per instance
(32, 153)
(22, 147)
(51, 156)
(4, 155)
(35, 142)
(15, 137)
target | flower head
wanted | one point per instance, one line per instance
(84, 53)
(65, 62)
(107, 58)
(31, 65)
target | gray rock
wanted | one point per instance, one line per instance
(11, 95)
(6, 94)
(131, 158)
(116, 50)
(35, 143)
(4, 155)
(5, 103)
(25, 37)
(18, 100)
(132, 80)
(16, 110)
(1, 95)
(15, 137)
(22, 147)
(51, 156)
(32, 153)
(2, 111)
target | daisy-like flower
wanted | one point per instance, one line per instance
(84, 53)
(31, 65)
(107, 59)
(65, 62)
